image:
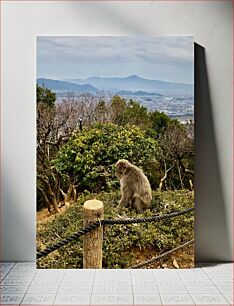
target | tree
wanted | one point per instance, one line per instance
(101, 111)
(46, 96)
(128, 112)
(159, 121)
(177, 145)
(55, 124)
(134, 113)
(118, 106)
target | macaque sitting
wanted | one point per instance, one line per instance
(135, 187)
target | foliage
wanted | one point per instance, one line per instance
(46, 96)
(159, 121)
(71, 161)
(101, 111)
(89, 156)
(113, 128)
(121, 242)
(129, 112)
(55, 124)
(118, 106)
(178, 152)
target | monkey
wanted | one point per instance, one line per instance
(134, 185)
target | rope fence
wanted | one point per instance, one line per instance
(146, 262)
(94, 225)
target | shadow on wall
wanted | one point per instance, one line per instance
(211, 228)
(108, 15)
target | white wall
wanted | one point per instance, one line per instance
(211, 24)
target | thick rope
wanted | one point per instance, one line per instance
(65, 241)
(147, 219)
(160, 256)
(96, 224)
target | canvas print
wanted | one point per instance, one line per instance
(115, 152)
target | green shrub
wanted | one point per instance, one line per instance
(121, 242)
(89, 156)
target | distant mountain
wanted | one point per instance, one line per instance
(133, 83)
(56, 86)
(137, 93)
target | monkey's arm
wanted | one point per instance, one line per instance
(123, 202)
(126, 197)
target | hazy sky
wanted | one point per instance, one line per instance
(166, 58)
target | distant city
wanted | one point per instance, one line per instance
(174, 99)
(175, 105)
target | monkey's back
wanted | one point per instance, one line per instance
(140, 184)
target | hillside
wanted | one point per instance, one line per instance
(137, 93)
(124, 245)
(56, 85)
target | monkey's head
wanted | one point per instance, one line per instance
(120, 167)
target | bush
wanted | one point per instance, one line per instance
(89, 156)
(122, 243)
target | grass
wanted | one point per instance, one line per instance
(122, 243)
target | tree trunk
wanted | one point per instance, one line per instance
(164, 177)
(70, 196)
(52, 195)
(64, 197)
(55, 203)
(181, 181)
(192, 189)
(74, 193)
(70, 193)
(48, 204)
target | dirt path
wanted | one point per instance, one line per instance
(43, 215)
(184, 258)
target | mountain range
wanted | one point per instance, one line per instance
(57, 85)
(133, 83)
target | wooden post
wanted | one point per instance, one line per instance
(92, 250)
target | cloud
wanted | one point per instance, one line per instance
(108, 54)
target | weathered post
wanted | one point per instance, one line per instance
(92, 249)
